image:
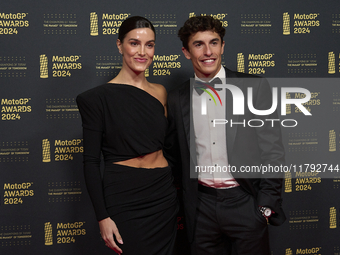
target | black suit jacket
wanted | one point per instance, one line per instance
(246, 146)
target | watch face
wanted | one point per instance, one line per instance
(267, 212)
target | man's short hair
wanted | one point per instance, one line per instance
(200, 24)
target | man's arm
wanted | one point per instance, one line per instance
(272, 154)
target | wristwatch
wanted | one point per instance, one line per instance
(266, 211)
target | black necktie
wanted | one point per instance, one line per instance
(199, 85)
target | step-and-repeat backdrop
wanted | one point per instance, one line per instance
(50, 51)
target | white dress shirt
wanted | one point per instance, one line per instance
(211, 142)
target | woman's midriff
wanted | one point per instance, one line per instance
(151, 160)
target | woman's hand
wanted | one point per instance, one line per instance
(108, 228)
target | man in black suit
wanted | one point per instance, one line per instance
(225, 211)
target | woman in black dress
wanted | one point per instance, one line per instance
(125, 121)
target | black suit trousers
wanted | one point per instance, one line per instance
(230, 223)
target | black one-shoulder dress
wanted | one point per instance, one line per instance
(123, 122)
